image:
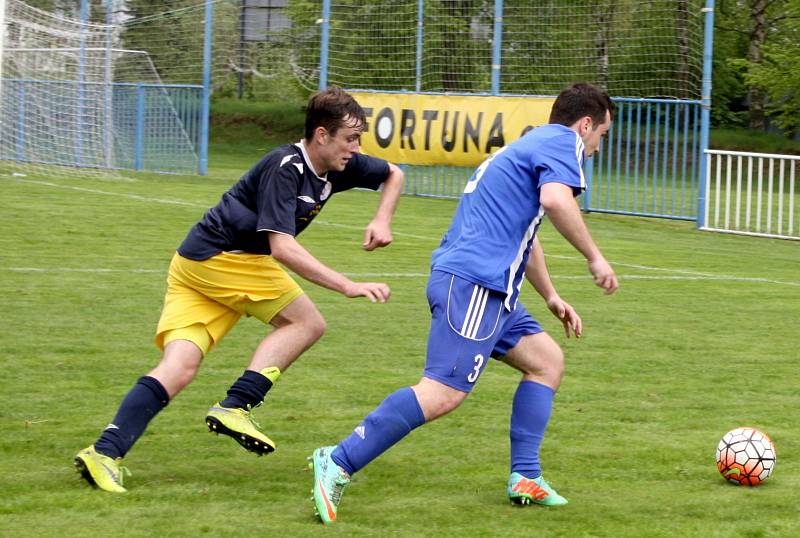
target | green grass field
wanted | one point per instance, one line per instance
(701, 338)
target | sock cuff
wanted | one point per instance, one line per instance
(272, 373)
(156, 387)
(410, 402)
(536, 384)
(261, 381)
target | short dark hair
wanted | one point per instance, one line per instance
(579, 100)
(329, 108)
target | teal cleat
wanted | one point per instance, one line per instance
(523, 490)
(329, 483)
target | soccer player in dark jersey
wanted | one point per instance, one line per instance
(473, 291)
(229, 266)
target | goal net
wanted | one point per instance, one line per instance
(75, 99)
(633, 48)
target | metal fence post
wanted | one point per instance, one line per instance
(497, 46)
(705, 114)
(108, 90)
(21, 121)
(323, 49)
(84, 14)
(206, 104)
(420, 18)
(588, 175)
(138, 144)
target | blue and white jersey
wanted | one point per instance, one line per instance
(492, 232)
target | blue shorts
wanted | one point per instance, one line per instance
(469, 324)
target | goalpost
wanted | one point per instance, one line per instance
(74, 100)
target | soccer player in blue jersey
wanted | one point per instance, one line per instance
(229, 266)
(473, 291)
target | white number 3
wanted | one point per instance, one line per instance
(473, 376)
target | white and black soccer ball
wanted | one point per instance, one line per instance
(746, 456)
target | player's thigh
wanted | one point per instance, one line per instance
(465, 324)
(297, 309)
(251, 284)
(536, 354)
(187, 312)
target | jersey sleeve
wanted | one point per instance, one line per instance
(362, 171)
(560, 159)
(277, 199)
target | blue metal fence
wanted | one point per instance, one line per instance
(649, 164)
(157, 127)
(154, 127)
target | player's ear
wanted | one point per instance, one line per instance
(321, 135)
(586, 125)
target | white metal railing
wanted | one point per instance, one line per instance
(752, 194)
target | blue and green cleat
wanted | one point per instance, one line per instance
(522, 490)
(239, 424)
(329, 483)
(101, 471)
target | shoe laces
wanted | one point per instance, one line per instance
(338, 488)
(122, 472)
(543, 483)
(249, 412)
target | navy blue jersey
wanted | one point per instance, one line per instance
(282, 193)
(490, 238)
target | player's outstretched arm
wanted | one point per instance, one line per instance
(293, 255)
(537, 274)
(563, 211)
(379, 231)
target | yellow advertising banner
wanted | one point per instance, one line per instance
(457, 130)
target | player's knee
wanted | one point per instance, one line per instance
(452, 402)
(186, 375)
(315, 326)
(557, 362)
(176, 370)
(549, 363)
(443, 403)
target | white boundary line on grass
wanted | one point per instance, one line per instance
(106, 193)
(685, 273)
(683, 277)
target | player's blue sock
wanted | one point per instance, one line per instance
(529, 417)
(392, 420)
(248, 390)
(147, 397)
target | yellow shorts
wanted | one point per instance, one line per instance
(205, 299)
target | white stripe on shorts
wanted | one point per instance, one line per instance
(477, 304)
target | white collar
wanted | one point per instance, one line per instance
(307, 159)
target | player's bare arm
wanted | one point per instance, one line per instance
(537, 274)
(562, 209)
(379, 231)
(293, 255)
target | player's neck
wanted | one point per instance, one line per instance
(314, 158)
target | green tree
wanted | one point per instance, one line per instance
(778, 75)
(755, 48)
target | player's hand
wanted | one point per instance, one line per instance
(377, 292)
(603, 275)
(377, 234)
(569, 318)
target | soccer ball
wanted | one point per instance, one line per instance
(746, 456)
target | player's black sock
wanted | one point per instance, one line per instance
(248, 390)
(147, 397)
